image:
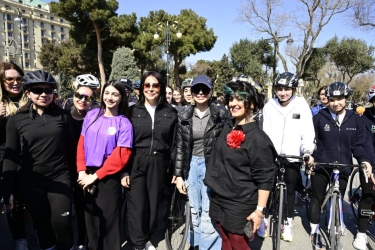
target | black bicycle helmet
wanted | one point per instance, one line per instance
(127, 83)
(338, 89)
(137, 84)
(286, 79)
(38, 76)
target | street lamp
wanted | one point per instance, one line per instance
(20, 26)
(167, 37)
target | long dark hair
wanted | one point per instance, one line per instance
(162, 94)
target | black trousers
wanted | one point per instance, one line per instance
(368, 195)
(102, 214)
(293, 182)
(144, 195)
(50, 208)
(78, 197)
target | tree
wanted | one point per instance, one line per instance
(248, 57)
(361, 86)
(124, 65)
(315, 63)
(223, 72)
(196, 37)
(269, 17)
(351, 56)
(88, 17)
(363, 15)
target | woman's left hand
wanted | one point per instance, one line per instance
(87, 180)
(256, 219)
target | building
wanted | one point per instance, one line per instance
(35, 24)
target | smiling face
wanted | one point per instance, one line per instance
(336, 104)
(168, 94)
(201, 93)
(151, 90)
(12, 83)
(187, 94)
(41, 94)
(284, 94)
(238, 110)
(111, 98)
(82, 97)
(177, 96)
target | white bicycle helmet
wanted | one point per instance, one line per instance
(87, 80)
(371, 93)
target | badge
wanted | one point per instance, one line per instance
(111, 131)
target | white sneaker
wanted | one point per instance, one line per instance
(262, 231)
(287, 234)
(360, 241)
(21, 244)
(149, 246)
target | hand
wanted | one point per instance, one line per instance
(180, 184)
(174, 178)
(81, 175)
(125, 180)
(87, 180)
(311, 159)
(254, 216)
(368, 169)
(3, 110)
(11, 205)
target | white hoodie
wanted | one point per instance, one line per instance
(290, 128)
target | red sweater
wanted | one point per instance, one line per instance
(113, 164)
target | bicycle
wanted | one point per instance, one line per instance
(278, 200)
(177, 227)
(336, 225)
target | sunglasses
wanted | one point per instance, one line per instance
(127, 91)
(87, 98)
(154, 86)
(205, 90)
(39, 91)
(10, 80)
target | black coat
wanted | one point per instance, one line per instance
(184, 139)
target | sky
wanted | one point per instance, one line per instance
(221, 15)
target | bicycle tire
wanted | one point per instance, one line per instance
(280, 217)
(178, 222)
(355, 192)
(333, 222)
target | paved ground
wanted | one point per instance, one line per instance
(301, 229)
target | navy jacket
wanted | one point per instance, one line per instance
(334, 143)
(369, 120)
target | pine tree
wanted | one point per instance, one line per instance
(124, 65)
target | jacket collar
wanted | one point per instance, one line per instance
(187, 113)
(326, 113)
(246, 128)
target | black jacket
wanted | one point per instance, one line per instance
(369, 121)
(184, 139)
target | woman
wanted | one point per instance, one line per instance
(168, 94)
(83, 100)
(323, 100)
(340, 135)
(199, 126)
(11, 99)
(37, 146)
(104, 148)
(241, 166)
(154, 121)
(177, 97)
(186, 89)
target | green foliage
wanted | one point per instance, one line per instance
(248, 57)
(124, 65)
(223, 73)
(65, 86)
(315, 63)
(351, 56)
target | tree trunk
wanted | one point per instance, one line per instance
(100, 58)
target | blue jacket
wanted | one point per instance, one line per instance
(369, 120)
(315, 110)
(334, 143)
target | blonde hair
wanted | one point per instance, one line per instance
(10, 107)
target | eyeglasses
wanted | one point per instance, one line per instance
(205, 90)
(87, 98)
(10, 80)
(154, 86)
(39, 91)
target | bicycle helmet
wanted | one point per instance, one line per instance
(186, 83)
(127, 83)
(286, 79)
(38, 76)
(137, 84)
(338, 89)
(371, 93)
(250, 80)
(87, 80)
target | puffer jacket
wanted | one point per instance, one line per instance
(184, 138)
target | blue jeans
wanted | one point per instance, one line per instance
(203, 231)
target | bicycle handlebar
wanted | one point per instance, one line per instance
(363, 167)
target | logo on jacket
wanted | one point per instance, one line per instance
(111, 131)
(327, 128)
(373, 128)
(351, 128)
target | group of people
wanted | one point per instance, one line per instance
(138, 135)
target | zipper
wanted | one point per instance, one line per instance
(152, 138)
(282, 139)
(338, 145)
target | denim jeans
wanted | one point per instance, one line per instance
(203, 231)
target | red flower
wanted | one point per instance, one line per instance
(235, 138)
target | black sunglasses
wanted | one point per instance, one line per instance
(39, 91)
(87, 98)
(205, 90)
(10, 80)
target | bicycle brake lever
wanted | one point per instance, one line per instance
(363, 166)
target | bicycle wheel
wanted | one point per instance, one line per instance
(178, 222)
(355, 192)
(333, 222)
(280, 217)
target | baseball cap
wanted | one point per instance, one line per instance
(202, 80)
